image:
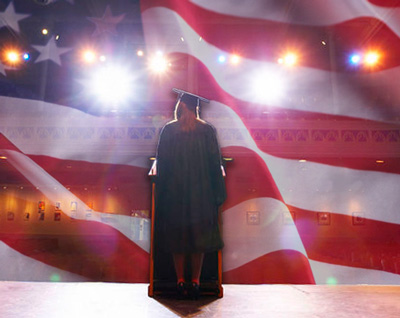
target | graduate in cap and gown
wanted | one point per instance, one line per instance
(189, 189)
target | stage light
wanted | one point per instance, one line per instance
(102, 58)
(12, 57)
(371, 58)
(139, 53)
(235, 59)
(111, 85)
(222, 58)
(290, 59)
(89, 56)
(45, 31)
(158, 63)
(267, 87)
(26, 56)
(355, 59)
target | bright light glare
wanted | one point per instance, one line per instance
(268, 87)
(235, 59)
(89, 56)
(12, 57)
(158, 64)
(355, 59)
(371, 58)
(290, 59)
(222, 58)
(112, 84)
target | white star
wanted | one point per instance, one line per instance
(107, 23)
(10, 19)
(50, 51)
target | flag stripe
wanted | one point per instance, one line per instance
(235, 34)
(326, 13)
(318, 187)
(337, 274)
(38, 271)
(239, 81)
(284, 267)
(386, 3)
(251, 222)
(349, 240)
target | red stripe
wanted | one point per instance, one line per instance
(267, 40)
(6, 144)
(280, 267)
(118, 189)
(386, 3)
(125, 189)
(105, 256)
(130, 186)
(349, 241)
(247, 178)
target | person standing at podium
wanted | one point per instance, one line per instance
(189, 189)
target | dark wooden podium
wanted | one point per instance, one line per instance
(162, 271)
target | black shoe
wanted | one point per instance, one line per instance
(180, 289)
(194, 291)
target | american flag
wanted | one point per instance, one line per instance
(313, 188)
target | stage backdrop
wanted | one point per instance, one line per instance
(313, 191)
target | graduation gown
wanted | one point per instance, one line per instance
(189, 189)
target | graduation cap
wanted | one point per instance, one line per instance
(189, 98)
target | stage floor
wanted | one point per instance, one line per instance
(31, 299)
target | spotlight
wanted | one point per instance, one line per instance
(45, 31)
(89, 56)
(267, 86)
(371, 58)
(355, 59)
(235, 59)
(222, 58)
(290, 59)
(139, 53)
(12, 57)
(111, 84)
(26, 56)
(158, 63)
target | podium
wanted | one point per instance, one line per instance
(162, 271)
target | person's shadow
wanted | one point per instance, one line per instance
(186, 307)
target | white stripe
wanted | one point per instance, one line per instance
(28, 114)
(18, 267)
(325, 273)
(317, 13)
(319, 187)
(135, 229)
(239, 80)
(245, 240)
(322, 187)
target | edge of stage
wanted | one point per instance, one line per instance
(38, 299)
